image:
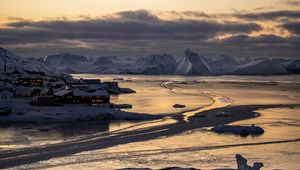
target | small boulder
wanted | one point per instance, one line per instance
(122, 106)
(255, 130)
(239, 130)
(179, 106)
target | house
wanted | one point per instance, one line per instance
(47, 91)
(21, 91)
(29, 81)
(110, 84)
(88, 84)
(91, 81)
(80, 96)
(45, 101)
(97, 96)
(63, 93)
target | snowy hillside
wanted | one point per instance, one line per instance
(105, 60)
(153, 64)
(69, 63)
(26, 65)
(193, 64)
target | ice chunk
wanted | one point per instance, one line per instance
(243, 165)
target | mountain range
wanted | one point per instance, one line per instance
(191, 63)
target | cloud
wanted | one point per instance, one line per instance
(139, 15)
(265, 45)
(292, 2)
(293, 27)
(272, 15)
(129, 25)
(186, 14)
(268, 39)
(135, 33)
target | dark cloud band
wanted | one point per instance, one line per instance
(138, 32)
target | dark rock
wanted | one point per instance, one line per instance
(239, 130)
(242, 163)
(179, 106)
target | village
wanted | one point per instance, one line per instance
(48, 91)
(34, 92)
(38, 89)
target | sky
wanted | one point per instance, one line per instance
(239, 28)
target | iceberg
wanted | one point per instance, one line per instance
(258, 67)
(193, 64)
(157, 64)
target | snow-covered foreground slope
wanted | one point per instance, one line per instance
(26, 65)
(22, 111)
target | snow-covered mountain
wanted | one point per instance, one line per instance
(158, 64)
(153, 64)
(105, 60)
(161, 64)
(69, 63)
(223, 63)
(64, 57)
(259, 67)
(292, 67)
(193, 64)
(26, 66)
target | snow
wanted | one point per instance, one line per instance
(292, 67)
(24, 91)
(27, 66)
(120, 90)
(193, 64)
(103, 60)
(6, 94)
(259, 67)
(158, 64)
(22, 111)
(62, 92)
(223, 63)
(69, 63)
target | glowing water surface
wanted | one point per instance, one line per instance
(199, 148)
